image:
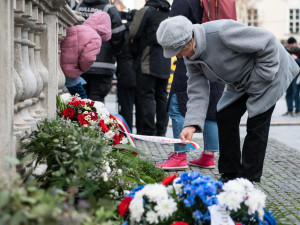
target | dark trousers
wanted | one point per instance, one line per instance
(154, 102)
(249, 163)
(77, 89)
(98, 86)
(127, 97)
(293, 96)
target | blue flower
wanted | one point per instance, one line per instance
(198, 215)
(189, 202)
(125, 223)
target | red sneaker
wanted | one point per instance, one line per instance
(175, 161)
(205, 161)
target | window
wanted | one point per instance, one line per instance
(252, 17)
(294, 21)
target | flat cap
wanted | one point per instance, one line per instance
(173, 34)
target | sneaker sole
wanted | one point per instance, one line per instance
(174, 168)
(205, 167)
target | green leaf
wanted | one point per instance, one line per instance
(27, 158)
(28, 199)
(129, 148)
(4, 198)
(12, 160)
(17, 218)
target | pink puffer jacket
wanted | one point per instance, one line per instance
(83, 43)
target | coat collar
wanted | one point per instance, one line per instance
(199, 43)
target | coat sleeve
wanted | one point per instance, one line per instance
(180, 7)
(89, 54)
(117, 30)
(198, 93)
(258, 41)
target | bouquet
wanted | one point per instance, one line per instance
(93, 114)
(245, 204)
(190, 199)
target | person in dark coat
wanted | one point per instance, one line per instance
(178, 99)
(100, 75)
(292, 93)
(154, 66)
(127, 75)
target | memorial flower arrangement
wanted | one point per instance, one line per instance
(93, 114)
(245, 203)
(189, 199)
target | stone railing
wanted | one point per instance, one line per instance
(30, 74)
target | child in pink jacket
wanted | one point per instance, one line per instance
(80, 48)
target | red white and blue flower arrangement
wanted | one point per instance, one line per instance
(188, 199)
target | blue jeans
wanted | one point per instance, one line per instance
(292, 96)
(210, 133)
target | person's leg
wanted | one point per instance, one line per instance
(297, 102)
(176, 160)
(211, 145)
(99, 87)
(177, 122)
(255, 145)
(296, 95)
(289, 100)
(77, 89)
(161, 99)
(148, 103)
(125, 101)
(228, 120)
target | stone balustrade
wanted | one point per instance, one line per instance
(30, 73)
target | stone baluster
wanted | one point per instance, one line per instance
(32, 60)
(6, 82)
(40, 27)
(61, 76)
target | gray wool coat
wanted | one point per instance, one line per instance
(247, 59)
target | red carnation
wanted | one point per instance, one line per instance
(103, 126)
(238, 223)
(81, 119)
(179, 223)
(116, 140)
(90, 103)
(168, 180)
(93, 115)
(68, 113)
(76, 103)
(124, 205)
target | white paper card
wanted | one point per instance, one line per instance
(219, 216)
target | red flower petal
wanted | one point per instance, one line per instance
(124, 205)
(168, 180)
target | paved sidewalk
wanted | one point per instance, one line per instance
(280, 181)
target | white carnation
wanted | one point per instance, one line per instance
(231, 200)
(66, 98)
(136, 209)
(165, 208)
(256, 202)
(155, 192)
(152, 217)
(246, 184)
(177, 187)
(234, 186)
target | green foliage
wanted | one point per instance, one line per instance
(60, 105)
(26, 204)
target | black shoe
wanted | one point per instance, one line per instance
(227, 177)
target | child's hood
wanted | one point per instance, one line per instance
(100, 22)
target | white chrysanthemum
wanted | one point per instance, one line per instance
(136, 209)
(155, 192)
(170, 189)
(165, 208)
(231, 200)
(66, 98)
(152, 217)
(246, 184)
(109, 135)
(177, 187)
(124, 141)
(234, 186)
(101, 109)
(119, 172)
(256, 202)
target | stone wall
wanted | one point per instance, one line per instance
(30, 74)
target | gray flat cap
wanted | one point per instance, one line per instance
(173, 34)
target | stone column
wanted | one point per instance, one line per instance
(6, 81)
(49, 57)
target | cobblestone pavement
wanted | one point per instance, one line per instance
(280, 181)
